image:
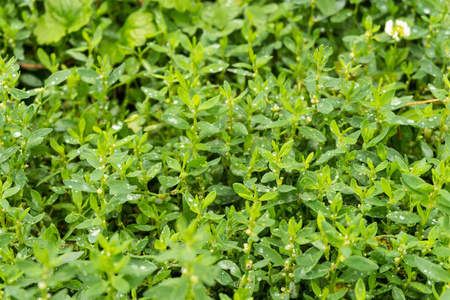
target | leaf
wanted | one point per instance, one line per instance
(37, 136)
(361, 264)
(243, 191)
(120, 284)
(430, 68)
(386, 186)
(137, 28)
(261, 61)
(48, 31)
(205, 127)
(209, 199)
(312, 134)
(168, 182)
(209, 104)
(119, 187)
(176, 122)
(88, 73)
(421, 288)
(360, 290)
(57, 77)
(378, 138)
(286, 148)
(7, 153)
(404, 217)
(19, 94)
(270, 254)
(68, 257)
(239, 129)
(325, 107)
(173, 163)
(427, 151)
(432, 271)
(115, 75)
(62, 16)
(416, 184)
(330, 154)
(214, 68)
(268, 196)
(327, 7)
(184, 96)
(151, 93)
(229, 265)
(79, 186)
(10, 192)
(397, 294)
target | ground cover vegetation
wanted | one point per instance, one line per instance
(231, 149)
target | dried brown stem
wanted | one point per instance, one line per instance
(423, 102)
(31, 66)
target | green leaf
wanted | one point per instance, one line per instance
(19, 94)
(416, 184)
(330, 154)
(151, 93)
(137, 28)
(421, 288)
(57, 77)
(361, 264)
(62, 16)
(286, 148)
(270, 254)
(239, 129)
(79, 186)
(386, 186)
(173, 163)
(261, 61)
(184, 97)
(430, 68)
(397, 294)
(120, 284)
(427, 151)
(312, 134)
(176, 122)
(205, 127)
(115, 75)
(432, 271)
(209, 104)
(88, 73)
(328, 7)
(378, 138)
(209, 199)
(404, 217)
(119, 187)
(243, 191)
(360, 290)
(10, 192)
(48, 30)
(214, 68)
(325, 107)
(7, 153)
(168, 182)
(268, 196)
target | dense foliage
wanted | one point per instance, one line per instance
(231, 149)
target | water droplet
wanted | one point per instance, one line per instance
(396, 101)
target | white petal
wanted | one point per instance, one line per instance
(396, 37)
(389, 27)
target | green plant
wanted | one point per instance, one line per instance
(227, 150)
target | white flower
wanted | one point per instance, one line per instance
(398, 30)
